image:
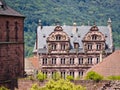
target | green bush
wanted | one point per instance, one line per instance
(93, 76)
(114, 77)
(60, 84)
(70, 78)
(3, 88)
(41, 77)
(56, 76)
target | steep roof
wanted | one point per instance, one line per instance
(6, 10)
(78, 36)
(109, 66)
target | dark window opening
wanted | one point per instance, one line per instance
(7, 31)
(16, 31)
(89, 60)
(94, 37)
(53, 60)
(62, 60)
(80, 73)
(58, 37)
(81, 60)
(71, 60)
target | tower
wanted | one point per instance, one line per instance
(11, 43)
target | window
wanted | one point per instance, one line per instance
(97, 60)
(72, 73)
(80, 73)
(63, 46)
(58, 37)
(44, 61)
(94, 37)
(98, 47)
(71, 60)
(80, 60)
(7, 31)
(62, 60)
(53, 46)
(62, 74)
(16, 31)
(53, 60)
(89, 46)
(45, 72)
(90, 60)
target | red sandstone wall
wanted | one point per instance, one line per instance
(11, 52)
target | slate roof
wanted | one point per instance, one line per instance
(81, 31)
(110, 66)
(6, 10)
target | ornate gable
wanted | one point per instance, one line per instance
(94, 40)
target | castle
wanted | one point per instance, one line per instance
(11, 44)
(72, 50)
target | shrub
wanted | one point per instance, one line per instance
(114, 77)
(56, 76)
(41, 77)
(93, 76)
(60, 84)
(70, 78)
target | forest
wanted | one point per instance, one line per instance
(66, 12)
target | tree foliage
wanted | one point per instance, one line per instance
(69, 77)
(93, 76)
(66, 11)
(60, 84)
(41, 77)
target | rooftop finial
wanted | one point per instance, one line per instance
(40, 23)
(109, 22)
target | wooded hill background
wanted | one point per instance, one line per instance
(66, 12)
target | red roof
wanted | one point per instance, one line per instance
(109, 66)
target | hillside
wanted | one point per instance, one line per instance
(66, 11)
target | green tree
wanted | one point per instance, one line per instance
(41, 77)
(93, 76)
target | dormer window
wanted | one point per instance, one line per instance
(94, 37)
(71, 35)
(44, 36)
(78, 35)
(58, 37)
